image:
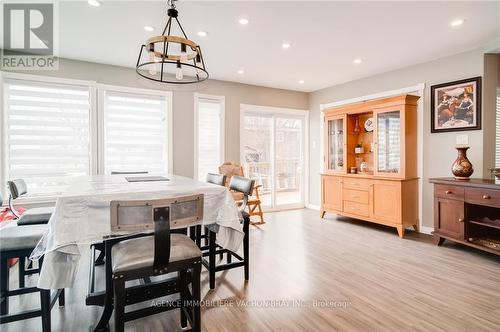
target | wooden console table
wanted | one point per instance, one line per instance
(467, 212)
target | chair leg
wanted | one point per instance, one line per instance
(119, 290)
(246, 247)
(197, 298)
(198, 235)
(22, 271)
(61, 299)
(183, 289)
(211, 259)
(45, 309)
(4, 286)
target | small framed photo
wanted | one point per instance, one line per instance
(456, 106)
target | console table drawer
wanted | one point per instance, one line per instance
(451, 192)
(482, 197)
(357, 184)
(356, 208)
(358, 196)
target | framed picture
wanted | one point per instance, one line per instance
(456, 106)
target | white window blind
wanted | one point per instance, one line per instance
(210, 144)
(46, 134)
(135, 132)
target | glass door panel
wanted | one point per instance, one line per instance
(257, 153)
(272, 150)
(389, 142)
(335, 145)
(288, 160)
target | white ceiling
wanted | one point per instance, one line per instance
(325, 36)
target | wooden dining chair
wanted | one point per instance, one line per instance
(245, 187)
(230, 169)
(32, 216)
(146, 255)
(19, 242)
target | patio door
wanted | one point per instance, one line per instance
(272, 147)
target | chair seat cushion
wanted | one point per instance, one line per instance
(139, 253)
(35, 216)
(17, 238)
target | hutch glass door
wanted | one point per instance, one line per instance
(388, 153)
(335, 139)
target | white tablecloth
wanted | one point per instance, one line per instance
(82, 216)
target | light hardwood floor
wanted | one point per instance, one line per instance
(370, 278)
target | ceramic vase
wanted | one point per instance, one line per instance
(462, 168)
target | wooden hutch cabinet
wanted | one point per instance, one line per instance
(379, 139)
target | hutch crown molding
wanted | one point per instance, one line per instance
(379, 139)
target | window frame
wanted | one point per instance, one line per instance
(3, 150)
(217, 98)
(96, 116)
(101, 89)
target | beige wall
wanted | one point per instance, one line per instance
(183, 104)
(438, 149)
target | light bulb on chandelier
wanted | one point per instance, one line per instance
(178, 72)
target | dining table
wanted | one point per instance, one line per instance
(82, 217)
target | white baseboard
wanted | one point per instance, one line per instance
(312, 207)
(426, 230)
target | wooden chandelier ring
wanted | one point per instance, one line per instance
(172, 39)
(190, 56)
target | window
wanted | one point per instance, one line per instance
(135, 132)
(209, 135)
(47, 138)
(53, 131)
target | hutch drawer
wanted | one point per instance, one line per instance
(356, 208)
(449, 191)
(481, 196)
(357, 184)
(353, 195)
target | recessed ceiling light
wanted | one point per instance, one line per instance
(202, 33)
(241, 71)
(301, 82)
(95, 3)
(149, 28)
(286, 45)
(458, 22)
(243, 21)
(357, 61)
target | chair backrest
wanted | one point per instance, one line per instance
(244, 186)
(217, 179)
(160, 215)
(230, 169)
(128, 172)
(140, 215)
(17, 188)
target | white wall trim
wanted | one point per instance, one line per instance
(270, 109)
(222, 100)
(426, 230)
(312, 207)
(46, 79)
(383, 94)
(418, 89)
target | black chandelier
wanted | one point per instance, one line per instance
(169, 58)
